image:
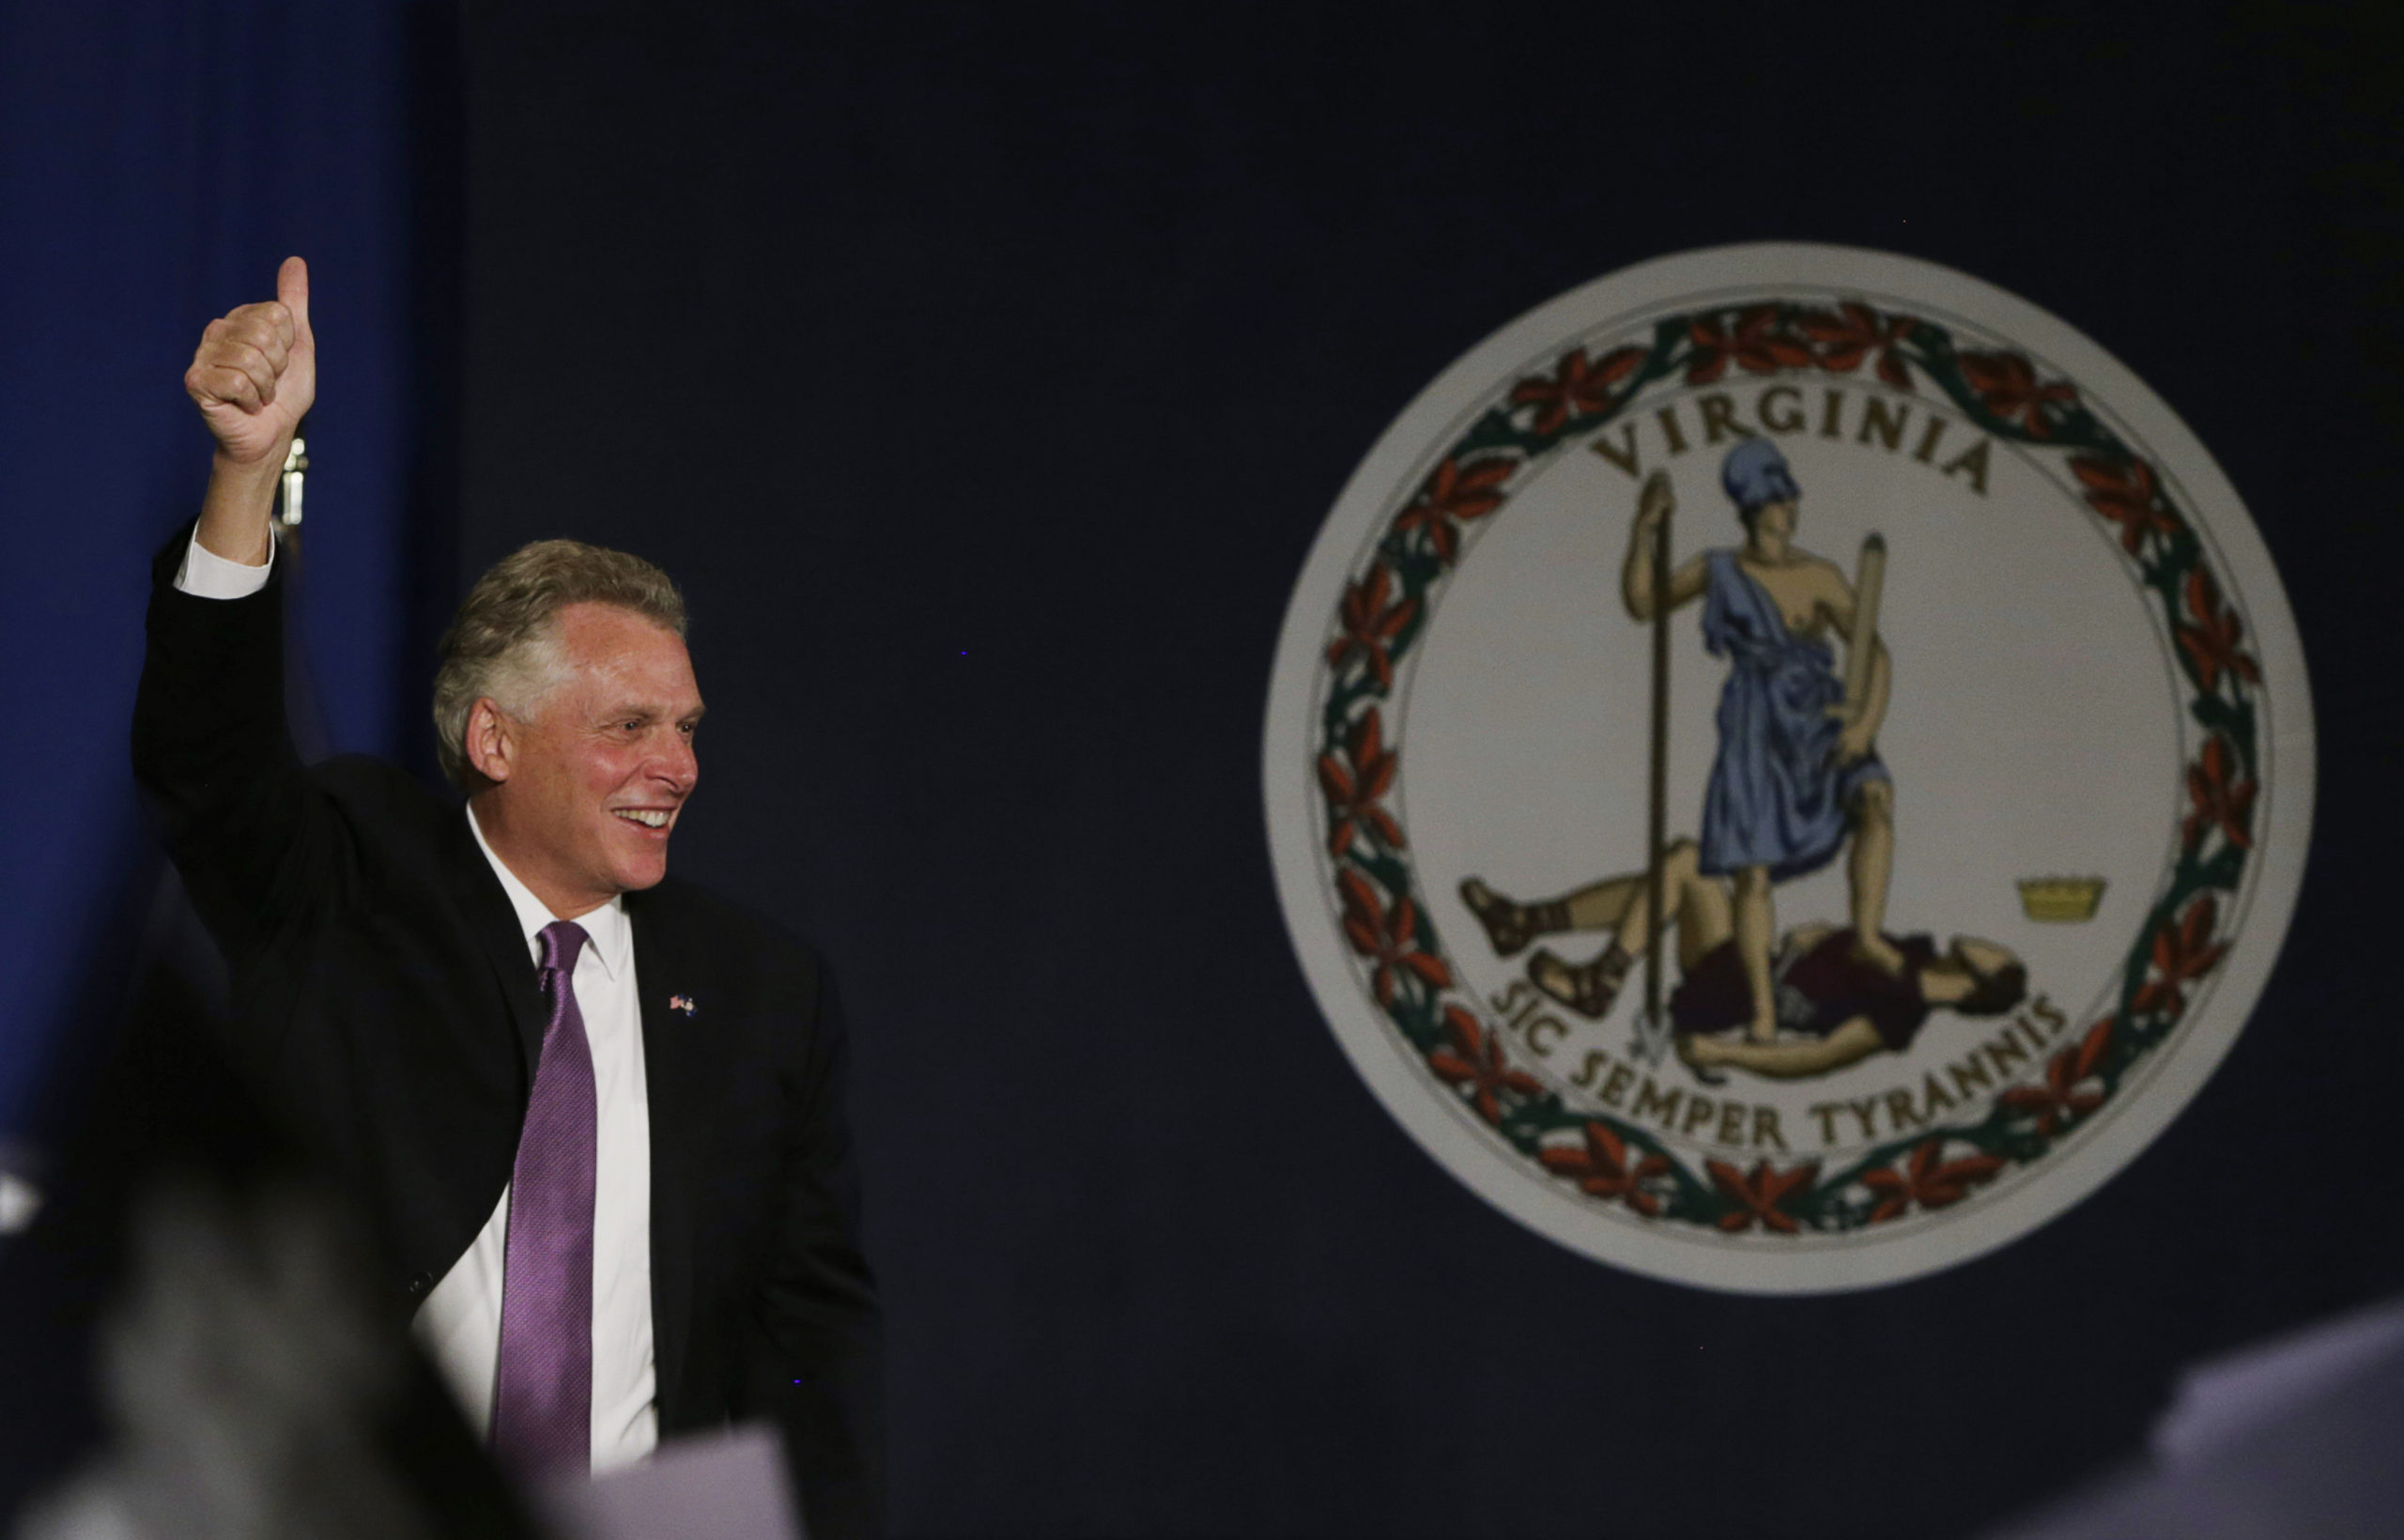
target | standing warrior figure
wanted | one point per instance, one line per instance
(1796, 772)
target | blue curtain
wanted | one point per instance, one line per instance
(156, 160)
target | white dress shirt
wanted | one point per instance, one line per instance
(209, 576)
(459, 1323)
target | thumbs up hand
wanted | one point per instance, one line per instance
(255, 373)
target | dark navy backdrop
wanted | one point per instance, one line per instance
(160, 159)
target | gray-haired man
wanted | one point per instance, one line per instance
(593, 1115)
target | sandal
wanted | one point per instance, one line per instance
(1507, 926)
(1587, 987)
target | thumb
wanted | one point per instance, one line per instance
(292, 288)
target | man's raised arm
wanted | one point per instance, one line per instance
(211, 746)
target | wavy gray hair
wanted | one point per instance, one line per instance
(504, 643)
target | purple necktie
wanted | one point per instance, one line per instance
(541, 1411)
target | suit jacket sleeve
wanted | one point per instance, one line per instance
(256, 840)
(811, 1355)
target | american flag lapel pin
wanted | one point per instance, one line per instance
(682, 1005)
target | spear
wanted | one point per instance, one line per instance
(1653, 1033)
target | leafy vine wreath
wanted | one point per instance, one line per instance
(1384, 609)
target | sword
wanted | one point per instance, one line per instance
(1867, 586)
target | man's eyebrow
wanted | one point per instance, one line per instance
(626, 709)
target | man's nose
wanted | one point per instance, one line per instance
(676, 763)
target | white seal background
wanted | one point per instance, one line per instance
(2038, 727)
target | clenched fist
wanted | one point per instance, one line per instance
(1656, 498)
(256, 371)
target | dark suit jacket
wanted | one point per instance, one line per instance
(384, 988)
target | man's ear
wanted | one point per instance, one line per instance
(491, 741)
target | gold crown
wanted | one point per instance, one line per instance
(2061, 899)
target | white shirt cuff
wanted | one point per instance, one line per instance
(208, 576)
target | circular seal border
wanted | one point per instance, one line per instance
(1380, 491)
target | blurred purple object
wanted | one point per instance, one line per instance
(726, 1486)
(2298, 1437)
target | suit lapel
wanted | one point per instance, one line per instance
(486, 909)
(669, 1045)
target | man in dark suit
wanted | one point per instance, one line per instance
(593, 1115)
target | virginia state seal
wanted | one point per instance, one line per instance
(1786, 767)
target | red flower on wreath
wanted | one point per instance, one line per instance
(2008, 388)
(1602, 1169)
(2211, 644)
(1928, 1179)
(2183, 952)
(1578, 387)
(2063, 1097)
(1758, 1196)
(2125, 492)
(1479, 1063)
(1388, 937)
(1853, 332)
(1355, 790)
(1753, 341)
(1370, 624)
(1457, 492)
(2217, 802)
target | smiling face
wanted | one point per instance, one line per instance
(587, 786)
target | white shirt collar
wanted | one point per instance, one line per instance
(611, 938)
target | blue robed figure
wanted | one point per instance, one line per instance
(1795, 780)
(1797, 777)
(1778, 797)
